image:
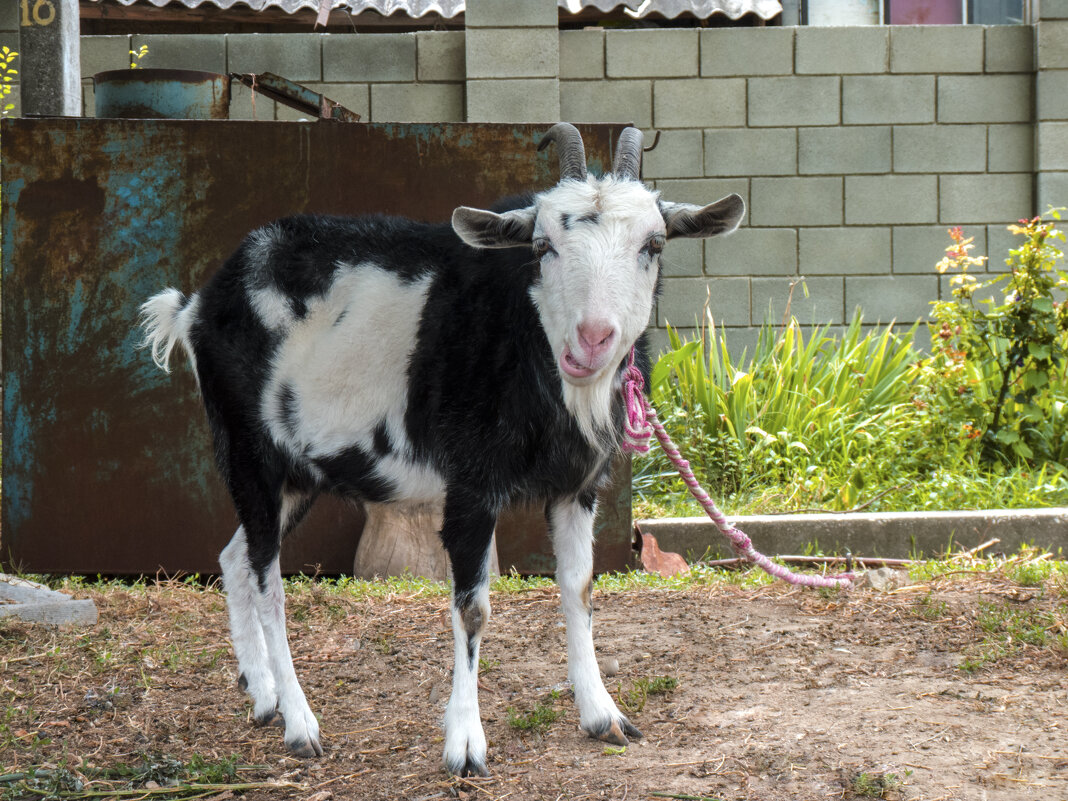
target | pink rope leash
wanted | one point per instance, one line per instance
(642, 423)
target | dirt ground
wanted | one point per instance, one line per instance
(781, 694)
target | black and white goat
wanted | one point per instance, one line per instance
(385, 359)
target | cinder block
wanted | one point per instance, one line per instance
(774, 298)
(753, 251)
(984, 98)
(1010, 48)
(751, 151)
(904, 298)
(581, 54)
(796, 201)
(842, 51)
(683, 257)
(747, 51)
(879, 99)
(297, 56)
(936, 48)
(699, 103)
(918, 248)
(530, 100)
(939, 148)
(993, 198)
(1011, 148)
(702, 191)
(353, 96)
(841, 251)
(441, 55)
(1051, 94)
(890, 199)
(679, 155)
(1000, 240)
(684, 298)
(1052, 43)
(513, 53)
(806, 100)
(1052, 146)
(102, 53)
(510, 14)
(379, 57)
(183, 52)
(88, 100)
(10, 40)
(829, 151)
(1052, 190)
(9, 17)
(417, 102)
(1053, 9)
(607, 101)
(651, 53)
(248, 105)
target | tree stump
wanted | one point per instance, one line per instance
(403, 538)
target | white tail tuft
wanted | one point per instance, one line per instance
(166, 320)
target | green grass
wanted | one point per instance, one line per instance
(538, 719)
(875, 785)
(634, 697)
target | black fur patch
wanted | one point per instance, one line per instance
(288, 409)
(593, 217)
(381, 441)
(352, 472)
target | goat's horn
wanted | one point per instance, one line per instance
(628, 160)
(569, 145)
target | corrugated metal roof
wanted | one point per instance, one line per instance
(766, 9)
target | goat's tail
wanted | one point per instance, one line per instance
(167, 318)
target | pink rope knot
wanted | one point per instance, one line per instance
(636, 428)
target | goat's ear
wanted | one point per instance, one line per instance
(720, 217)
(487, 229)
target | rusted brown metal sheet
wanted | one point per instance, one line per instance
(107, 465)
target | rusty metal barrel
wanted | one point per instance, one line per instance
(162, 94)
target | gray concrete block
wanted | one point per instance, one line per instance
(1051, 146)
(372, 58)
(102, 53)
(248, 105)
(751, 151)
(904, 298)
(353, 96)
(918, 248)
(775, 298)
(513, 53)
(11, 103)
(796, 201)
(842, 51)
(890, 199)
(993, 198)
(9, 17)
(88, 100)
(702, 191)
(684, 298)
(1051, 95)
(844, 251)
(1010, 148)
(852, 149)
(519, 100)
(183, 52)
(581, 54)
(1052, 190)
(880, 99)
(753, 251)
(679, 155)
(1052, 9)
(747, 51)
(647, 53)
(1052, 45)
(796, 100)
(297, 56)
(985, 98)
(683, 257)
(511, 14)
(441, 55)
(1010, 48)
(699, 102)
(936, 48)
(417, 102)
(999, 241)
(607, 101)
(33, 602)
(939, 148)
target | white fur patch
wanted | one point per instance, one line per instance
(272, 307)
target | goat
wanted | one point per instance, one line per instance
(385, 359)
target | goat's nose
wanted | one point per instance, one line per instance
(596, 336)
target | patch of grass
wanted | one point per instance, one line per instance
(485, 665)
(1009, 629)
(538, 719)
(634, 698)
(930, 608)
(876, 785)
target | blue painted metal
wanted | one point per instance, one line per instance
(107, 461)
(162, 94)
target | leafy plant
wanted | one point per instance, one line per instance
(875, 785)
(634, 698)
(538, 719)
(8, 73)
(137, 55)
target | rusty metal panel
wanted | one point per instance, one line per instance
(107, 465)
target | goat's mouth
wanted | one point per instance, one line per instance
(572, 367)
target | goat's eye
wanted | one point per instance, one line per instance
(541, 247)
(655, 245)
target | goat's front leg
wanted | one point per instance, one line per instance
(571, 526)
(466, 532)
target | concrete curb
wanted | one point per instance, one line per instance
(891, 535)
(34, 602)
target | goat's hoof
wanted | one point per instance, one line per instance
(470, 767)
(242, 683)
(616, 732)
(305, 749)
(273, 718)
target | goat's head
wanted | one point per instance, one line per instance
(597, 245)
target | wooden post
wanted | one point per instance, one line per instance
(50, 81)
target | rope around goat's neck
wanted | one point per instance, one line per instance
(642, 423)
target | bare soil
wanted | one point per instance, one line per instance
(782, 694)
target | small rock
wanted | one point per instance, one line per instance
(435, 694)
(609, 666)
(151, 785)
(885, 578)
(322, 795)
